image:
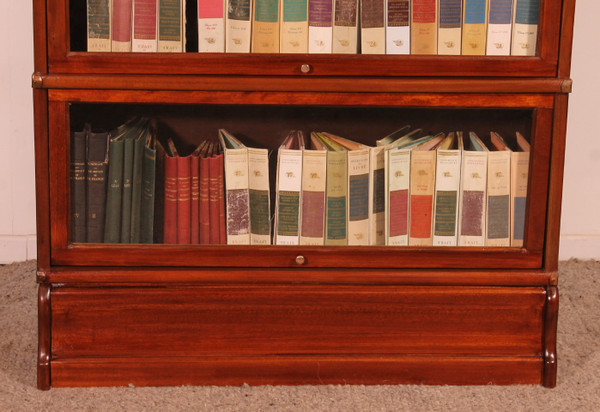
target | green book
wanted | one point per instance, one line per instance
(112, 226)
(148, 190)
(136, 185)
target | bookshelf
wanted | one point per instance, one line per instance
(115, 314)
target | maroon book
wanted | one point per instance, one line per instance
(213, 188)
(204, 201)
(184, 183)
(221, 187)
(170, 195)
(195, 199)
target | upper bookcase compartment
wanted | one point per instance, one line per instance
(67, 32)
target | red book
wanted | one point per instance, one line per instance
(170, 210)
(222, 226)
(213, 188)
(204, 200)
(121, 25)
(195, 199)
(184, 181)
(398, 213)
(420, 216)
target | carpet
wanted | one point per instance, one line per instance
(578, 385)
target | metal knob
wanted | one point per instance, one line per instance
(305, 68)
(300, 260)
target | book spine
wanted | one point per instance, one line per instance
(144, 38)
(320, 26)
(358, 197)
(265, 26)
(114, 193)
(148, 195)
(96, 174)
(397, 197)
(525, 27)
(447, 187)
(194, 199)
(450, 27)
(128, 149)
(372, 26)
(499, 27)
(377, 196)
(211, 26)
(170, 26)
(423, 28)
(397, 34)
(170, 197)
(345, 26)
(238, 26)
(474, 27)
(237, 197)
(289, 186)
(498, 203)
(78, 187)
(136, 189)
(518, 192)
(314, 179)
(258, 190)
(159, 195)
(221, 191)
(213, 199)
(98, 25)
(294, 26)
(473, 195)
(121, 25)
(422, 183)
(204, 206)
(336, 206)
(184, 193)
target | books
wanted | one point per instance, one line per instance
(79, 185)
(450, 27)
(345, 26)
(98, 25)
(474, 27)
(313, 195)
(519, 175)
(423, 27)
(498, 192)
(294, 26)
(397, 27)
(265, 26)
(526, 16)
(372, 26)
(96, 177)
(499, 27)
(211, 26)
(238, 26)
(144, 29)
(121, 25)
(320, 26)
(171, 26)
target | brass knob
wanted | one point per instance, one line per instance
(305, 68)
(300, 260)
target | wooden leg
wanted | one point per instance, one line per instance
(550, 330)
(44, 318)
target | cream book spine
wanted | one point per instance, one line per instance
(519, 175)
(499, 29)
(99, 25)
(314, 180)
(447, 189)
(423, 27)
(320, 26)
(345, 26)
(498, 199)
(265, 26)
(294, 26)
(422, 185)
(526, 17)
(171, 26)
(474, 27)
(397, 27)
(358, 197)
(288, 196)
(450, 27)
(145, 26)
(211, 26)
(397, 166)
(238, 26)
(372, 26)
(259, 195)
(121, 25)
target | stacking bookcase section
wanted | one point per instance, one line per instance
(239, 205)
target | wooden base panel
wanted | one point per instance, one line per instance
(293, 370)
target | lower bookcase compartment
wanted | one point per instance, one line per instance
(294, 334)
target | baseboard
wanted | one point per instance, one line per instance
(17, 248)
(579, 246)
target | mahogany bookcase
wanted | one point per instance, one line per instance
(173, 315)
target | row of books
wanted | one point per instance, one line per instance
(448, 27)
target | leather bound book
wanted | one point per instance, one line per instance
(213, 198)
(221, 191)
(96, 176)
(136, 183)
(78, 186)
(170, 198)
(204, 199)
(184, 193)
(121, 25)
(159, 194)
(195, 198)
(114, 194)
(148, 189)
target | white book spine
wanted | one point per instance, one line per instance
(473, 181)
(211, 26)
(397, 40)
(99, 27)
(397, 184)
(289, 179)
(449, 41)
(498, 204)
(447, 185)
(358, 197)
(258, 182)
(238, 30)
(498, 39)
(320, 39)
(236, 178)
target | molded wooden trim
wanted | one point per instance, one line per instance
(550, 334)
(44, 337)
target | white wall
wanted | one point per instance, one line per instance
(580, 224)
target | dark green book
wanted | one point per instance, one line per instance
(148, 189)
(96, 176)
(114, 192)
(78, 186)
(127, 180)
(136, 184)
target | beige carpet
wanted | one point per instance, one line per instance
(578, 378)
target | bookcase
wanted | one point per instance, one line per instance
(156, 314)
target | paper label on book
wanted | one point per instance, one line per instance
(313, 213)
(359, 197)
(210, 9)
(445, 213)
(237, 212)
(519, 205)
(266, 11)
(500, 12)
(288, 208)
(294, 10)
(336, 218)
(144, 20)
(398, 13)
(420, 216)
(498, 217)
(527, 12)
(475, 11)
(259, 212)
(345, 13)
(238, 10)
(398, 218)
(320, 13)
(450, 14)
(378, 191)
(472, 213)
(372, 14)
(424, 11)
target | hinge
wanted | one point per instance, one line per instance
(37, 80)
(566, 86)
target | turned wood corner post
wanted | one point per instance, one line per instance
(44, 319)
(550, 333)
